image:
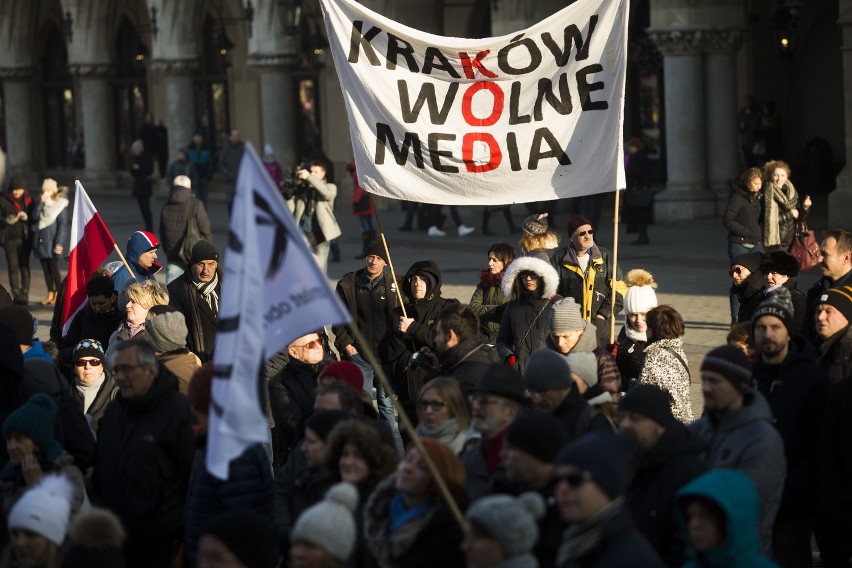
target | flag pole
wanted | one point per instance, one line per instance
(409, 427)
(614, 268)
(387, 252)
(124, 260)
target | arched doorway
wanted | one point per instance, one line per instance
(131, 88)
(61, 146)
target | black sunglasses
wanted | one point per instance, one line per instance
(584, 233)
(737, 270)
(573, 480)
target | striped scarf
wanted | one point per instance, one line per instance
(208, 292)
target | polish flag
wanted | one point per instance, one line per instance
(91, 244)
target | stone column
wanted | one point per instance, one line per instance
(840, 200)
(686, 195)
(180, 100)
(720, 95)
(18, 96)
(98, 133)
(277, 105)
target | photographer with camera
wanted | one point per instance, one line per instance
(314, 210)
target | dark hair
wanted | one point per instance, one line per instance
(843, 238)
(350, 399)
(379, 455)
(518, 287)
(99, 285)
(461, 319)
(750, 174)
(320, 164)
(741, 333)
(665, 322)
(504, 252)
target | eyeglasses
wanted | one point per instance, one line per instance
(584, 233)
(125, 367)
(433, 404)
(89, 362)
(575, 479)
(736, 270)
(310, 344)
(483, 399)
(530, 275)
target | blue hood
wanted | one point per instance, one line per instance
(138, 244)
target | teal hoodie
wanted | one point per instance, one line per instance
(735, 494)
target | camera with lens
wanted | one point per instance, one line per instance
(291, 185)
(426, 361)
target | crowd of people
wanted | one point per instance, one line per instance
(536, 440)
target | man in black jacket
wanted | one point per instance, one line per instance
(195, 294)
(144, 456)
(836, 263)
(669, 457)
(834, 313)
(370, 295)
(98, 319)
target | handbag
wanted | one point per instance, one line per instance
(805, 247)
(191, 236)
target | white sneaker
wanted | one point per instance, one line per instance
(436, 232)
(464, 230)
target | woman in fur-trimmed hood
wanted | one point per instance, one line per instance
(530, 282)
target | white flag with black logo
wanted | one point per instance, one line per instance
(273, 291)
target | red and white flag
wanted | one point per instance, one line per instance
(91, 244)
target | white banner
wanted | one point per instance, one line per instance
(530, 116)
(273, 291)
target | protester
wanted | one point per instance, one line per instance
(95, 538)
(242, 535)
(325, 535)
(196, 295)
(585, 274)
(141, 256)
(780, 269)
(591, 477)
(834, 313)
(442, 413)
(738, 426)
(780, 206)
(167, 333)
(537, 235)
(138, 298)
(16, 208)
(665, 360)
(496, 402)
(38, 524)
(142, 170)
(742, 219)
(548, 380)
(718, 513)
(97, 320)
(94, 388)
(747, 282)
(503, 531)
(314, 206)
(584, 375)
(407, 522)
(148, 492)
(741, 337)
(835, 261)
(488, 299)
(26, 328)
(639, 299)
(669, 457)
(182, 211)
(532, 443)
(181, 166)
(530, 283)
(787, 375)
(50, 220)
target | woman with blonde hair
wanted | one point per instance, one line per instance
(780, 207)
(442, 413)
(50, 218)
(137, 298)
(537, 235)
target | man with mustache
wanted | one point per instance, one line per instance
(786, 373)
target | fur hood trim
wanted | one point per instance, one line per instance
(537, 265)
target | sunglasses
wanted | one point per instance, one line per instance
(574, 480)
(89, 362)
(584, 233)
(526, 274)
(737, 270)
(310, 344)
(433, 404)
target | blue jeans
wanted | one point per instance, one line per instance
(735, 250)
(383, 401)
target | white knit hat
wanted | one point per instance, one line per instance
(330, 524)
(640, 297)
(45, 509)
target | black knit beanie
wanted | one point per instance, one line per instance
(650, 401)
(750, 260)
(779, 304)
(731, 363)
(538, 434)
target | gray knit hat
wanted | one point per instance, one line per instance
(536, 224)
(168, 332)
(778, 303)
(330, 524)
(512, 521)
(584, 365)
(565, 316)
(547, 370)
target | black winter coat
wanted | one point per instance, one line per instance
(144, 457)
(142, 168)
(579, 417)
(88, 324)
(743, 217)
(249, 486)
(795, 391)
(630, 358)
(371, 307)
(174, 220)
(813, 295)
(467, 362)
(296, 488)
(835, 355)
(748, 293)
(835, 465)
(674, 461)
(291, 400)
(201, 321)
